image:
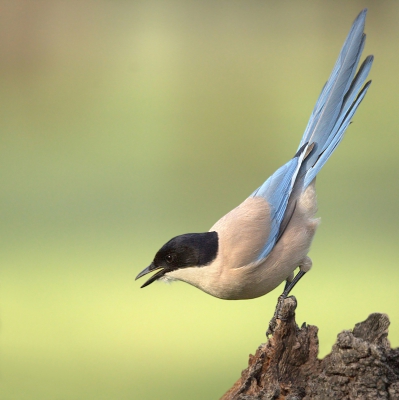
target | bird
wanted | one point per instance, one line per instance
(260, 243)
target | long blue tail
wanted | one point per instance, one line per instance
(337, 102)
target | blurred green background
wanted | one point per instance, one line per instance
(124, 123)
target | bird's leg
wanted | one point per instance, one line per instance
(288, 281)
(289, 285)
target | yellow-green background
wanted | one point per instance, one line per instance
(124, 123)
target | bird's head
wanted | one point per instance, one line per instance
(183, 251)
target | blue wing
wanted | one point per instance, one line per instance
(277, 190)
(331, 116)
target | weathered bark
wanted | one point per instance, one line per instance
(361, 365)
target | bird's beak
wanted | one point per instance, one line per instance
(150, 268)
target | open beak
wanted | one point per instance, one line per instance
(149, 269)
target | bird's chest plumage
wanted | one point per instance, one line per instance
(242, 233)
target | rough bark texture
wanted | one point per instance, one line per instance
(361, 365)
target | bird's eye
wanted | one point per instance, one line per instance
(169, 258)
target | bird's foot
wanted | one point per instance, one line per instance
(280, 313)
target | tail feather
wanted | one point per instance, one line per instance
(333, 91)
(349, 107)
(326, 125)
(325, 155)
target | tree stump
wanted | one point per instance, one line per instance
(361, 365)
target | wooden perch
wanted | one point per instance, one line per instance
(361, 365)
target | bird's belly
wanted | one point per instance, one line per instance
(255, 282)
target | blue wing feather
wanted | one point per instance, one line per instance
(277, 190)
(332, 114)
